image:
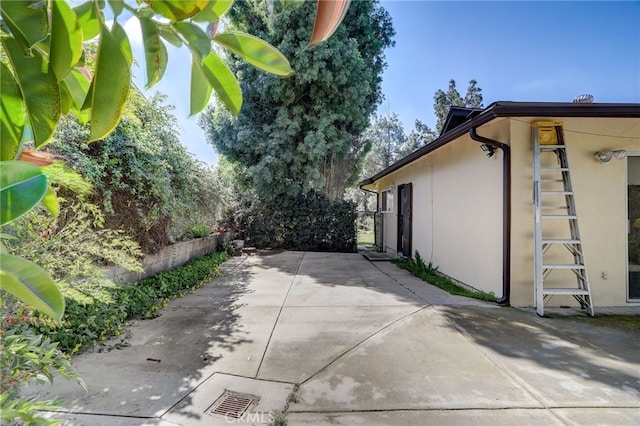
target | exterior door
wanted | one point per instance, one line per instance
(633, 204)
(404, 219)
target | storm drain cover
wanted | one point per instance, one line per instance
(233, 404)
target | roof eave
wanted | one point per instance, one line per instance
(515, 109)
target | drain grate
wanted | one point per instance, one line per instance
(233, 404)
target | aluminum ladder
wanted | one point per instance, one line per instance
(553, 198)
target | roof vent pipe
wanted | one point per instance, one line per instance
(583, 99)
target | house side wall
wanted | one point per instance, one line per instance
(601, 204)
(457, 210)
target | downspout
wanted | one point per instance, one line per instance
(506, 211)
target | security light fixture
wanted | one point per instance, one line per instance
(490, 150)
(606, 156)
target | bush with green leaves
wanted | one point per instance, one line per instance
(429, 273)
(75, 246)
(28, 358)
(307, 221)
(146, 182)
(93, 319)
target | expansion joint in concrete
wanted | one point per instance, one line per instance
(342, 354)
(275, 323)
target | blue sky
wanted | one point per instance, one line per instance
(517, 51)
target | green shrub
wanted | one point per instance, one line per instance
(430, 274)
(146, 182)
(308, 221)
(197, 230)
(91, 321)
(27, 358)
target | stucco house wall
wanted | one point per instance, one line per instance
(457, 211)
(457, 208)
(601, 204)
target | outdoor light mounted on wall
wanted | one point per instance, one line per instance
(606, 156)
(490, 150)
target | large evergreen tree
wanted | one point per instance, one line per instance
(443, 101)
(304, 132)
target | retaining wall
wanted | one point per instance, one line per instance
(171, 256)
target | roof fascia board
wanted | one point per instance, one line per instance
(514, 109)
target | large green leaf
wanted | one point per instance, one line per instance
(31, 284)
(110, 86)
(196, 38)
(223, 82)
(39, 88)
(155, 52)
(200, 87)
(123, 40)
(13, 116)
(116, 6)
(177, 10)
(50, 201)
(255, 51)
(22, 186)
(27, 20)
(213, 11)
(76, 85)
(89, 19)
(170, 35)
(66, 39)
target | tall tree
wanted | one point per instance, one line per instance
(443, 101)
(303, 132)
(419, 137)
(388, 141)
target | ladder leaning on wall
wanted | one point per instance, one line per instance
(550, 186)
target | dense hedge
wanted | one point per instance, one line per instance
(308, 221)
(89, 323)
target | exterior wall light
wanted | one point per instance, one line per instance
(606, 156)
(490, 150)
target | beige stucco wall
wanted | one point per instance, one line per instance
(457, 210)
(601, 203)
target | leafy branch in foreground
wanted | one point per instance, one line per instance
(46, 73)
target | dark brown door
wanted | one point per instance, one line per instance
(404, 219)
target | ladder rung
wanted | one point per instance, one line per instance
(567, 291)
(557, 192)
(562, 266)
(559, 216)
(560, 241)
(554, 207)
(554, 169)
(551, 147)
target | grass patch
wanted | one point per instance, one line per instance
(622, 322)
(365, 237)
(429, 274)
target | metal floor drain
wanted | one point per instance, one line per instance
(233, 404)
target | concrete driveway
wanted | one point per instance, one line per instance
(336, 339)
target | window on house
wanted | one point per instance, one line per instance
(387, 202)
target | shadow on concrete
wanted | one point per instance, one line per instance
(562, 358)
(539, 350)
(167, 358)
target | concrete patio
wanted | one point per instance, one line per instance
(331, 338)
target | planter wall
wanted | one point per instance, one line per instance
(171, 256)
